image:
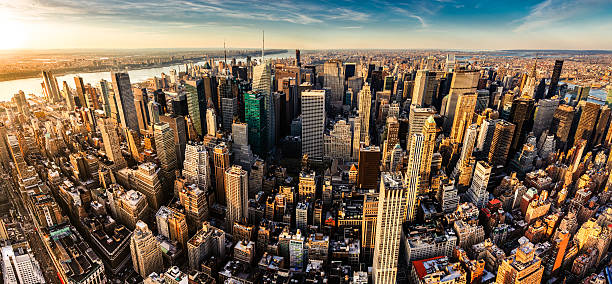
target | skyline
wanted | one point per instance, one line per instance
(441, 24)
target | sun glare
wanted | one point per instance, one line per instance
(13, 33)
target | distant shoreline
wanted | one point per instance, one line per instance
(36, 73)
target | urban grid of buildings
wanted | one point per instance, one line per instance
(326, 168)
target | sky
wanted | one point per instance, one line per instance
(340, 24)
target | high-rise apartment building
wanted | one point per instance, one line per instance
(524, 266)
(478, 193)
(172, 224)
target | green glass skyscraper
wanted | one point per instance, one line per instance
(254, 112)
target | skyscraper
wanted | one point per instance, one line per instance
(237, 190)
(562, 124)
(80, 89)
(125, 103)
(179, 128)
(211, 122)
(413, 177)
(369, 167)
(365, 104)
(313, 123)
(464, 113)
(112, 147)
(588, 117)
(463, 82)
(521, 115)
(146, 252)
(195, 167)
(543, 117)
(141, 101)
(221, 163)
(429, 143)
(425, 88)
(478, 191)
(391, 209)
(254, 114)
(554, 79)
(50, 86)
(165, 148)
(196, 104)
(500, 145)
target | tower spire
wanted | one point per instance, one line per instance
(263, 36)
(224, 53)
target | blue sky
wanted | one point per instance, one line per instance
(447, 24)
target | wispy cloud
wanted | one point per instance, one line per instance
(410, 14)
(549, 12)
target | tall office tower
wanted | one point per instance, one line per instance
(478, 193)
(141, 101)
(560, 242)
(465, 162)
(211, 122)
(80, 89)
(313, 123)
(50, 87)
(333, 78)
(196, 168)
(554, 79)
(19, 266)
(337, 144)
(464, 114)
(588, 117)
(146, 252)
(562, 124)
(196, 104)
(429, 143)
(530, 81)
(105, 91)
(425, 88)
(262, 83)
(524, 266)
(254, 114)
(229, 103)
(243, 155)
(603, 121)
(179, 127)
(391, 210)
(112, 146)
(521, 115)
(368, 224)
(69, 97)
(369, 167)
(500, 145)
(172, 224)
(237, 191)
(545, 109)
(413, 177)
(165, 148)
(221, 163)
(125, 102)
(208, 241)
(365, 105)
(450, 63)
(307, 186)
(485, 136)
(463, 82)
(417, 119)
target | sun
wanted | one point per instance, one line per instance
(13, 32)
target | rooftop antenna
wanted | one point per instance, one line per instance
(225, 53)
(263, 35)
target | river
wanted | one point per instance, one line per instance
(33, 85)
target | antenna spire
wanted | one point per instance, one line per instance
(263, 38)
